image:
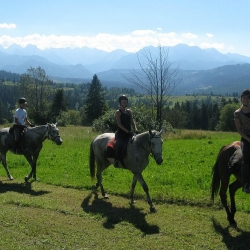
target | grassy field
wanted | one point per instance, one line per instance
(60, 211)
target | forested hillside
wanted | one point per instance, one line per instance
(66, 104)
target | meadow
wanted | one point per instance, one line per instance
(60, 211)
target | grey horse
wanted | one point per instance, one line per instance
(30, 145)
(136, 159)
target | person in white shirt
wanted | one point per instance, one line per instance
(20, 120)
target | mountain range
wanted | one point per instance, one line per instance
(202, 70)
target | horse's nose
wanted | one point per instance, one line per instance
(60, 142)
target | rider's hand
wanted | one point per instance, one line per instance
(130, 134)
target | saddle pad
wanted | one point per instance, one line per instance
(110, 149)
(235, 161)
(111, 143)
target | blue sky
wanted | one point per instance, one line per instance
(126, 24)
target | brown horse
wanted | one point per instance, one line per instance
(221, 180)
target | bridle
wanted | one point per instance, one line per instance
(151, 153)
(50, 136)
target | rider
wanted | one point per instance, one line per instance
(242, 122)
(124, 119)
(20, 119)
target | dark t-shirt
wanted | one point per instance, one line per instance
(125, 121)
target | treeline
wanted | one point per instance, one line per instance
(196, 114)
(69, 103)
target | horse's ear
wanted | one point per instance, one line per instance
(56, 124)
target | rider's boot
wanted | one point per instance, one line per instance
(15, 145)
(116, 158)
(245, 178)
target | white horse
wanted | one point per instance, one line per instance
(136, 159)
(30, 145)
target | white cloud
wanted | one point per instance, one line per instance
(209, 35)
(218, 46)
(189, 36)
(132, 42)
(108, 42)
(7, 26)
(143, 32)
(230, 48)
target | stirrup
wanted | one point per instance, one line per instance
(246, 188)
(116, 164)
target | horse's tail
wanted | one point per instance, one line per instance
(215, 185)
(91, 161)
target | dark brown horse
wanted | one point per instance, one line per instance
(221, 180)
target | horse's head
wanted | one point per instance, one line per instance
(53, 134)
(156, 145)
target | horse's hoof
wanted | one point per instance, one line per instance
(233, 224)
(11, 178)
(152, 209)
(105, 196)
(26, 178)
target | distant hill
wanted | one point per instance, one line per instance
(94, 60)
(20, 63)
(221, 80)
(203, 70)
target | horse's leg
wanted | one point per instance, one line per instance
(34, 160)
(139, 177)
(223, 196)
(33, 168)
(99, 171)
(233, 187)
(3, 159)
(132, 189)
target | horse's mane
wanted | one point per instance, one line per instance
(141, 138)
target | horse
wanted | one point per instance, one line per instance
(136, 159)
(30, 145)
(221, 178)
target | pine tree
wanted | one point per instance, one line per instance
(95, 103)
(59, 103)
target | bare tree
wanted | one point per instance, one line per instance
(156, 77)
(36, 87)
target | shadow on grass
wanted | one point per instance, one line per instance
(23, 188)
(240, 242)
(116, 215)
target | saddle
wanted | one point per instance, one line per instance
(110, 149)
(21, 140)
(235, 161)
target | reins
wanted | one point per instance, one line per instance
(49, 136)
(150, 152)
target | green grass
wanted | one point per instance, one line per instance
(60, 211)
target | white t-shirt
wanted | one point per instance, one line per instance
(20, 114)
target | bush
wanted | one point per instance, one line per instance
(142, 116)
(106, 123)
